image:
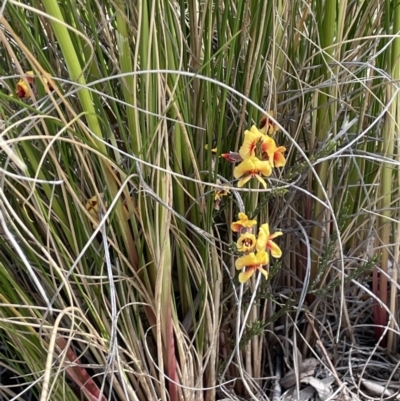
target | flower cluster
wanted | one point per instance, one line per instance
(255, 249)
(258, 155)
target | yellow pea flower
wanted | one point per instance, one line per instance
(252, 262)
(257, 144)
(22, 89)
(243, 222)
(252, 167)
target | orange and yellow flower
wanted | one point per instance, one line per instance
(265, 241)
(252, 167)
(246, 242)
(243, 223)
(252, 262)
(22, 89)
(257, 144)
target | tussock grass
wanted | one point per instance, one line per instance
(117, 271)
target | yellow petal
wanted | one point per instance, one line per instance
(262, 181)
(279, 159)
(275, 250)
(21, 89)
(246, 260)
(264, 229)
(243, 181)
(264, 167)
(244, 167)
(255, 130)
(251, 138)
(252, 166)
(262, 258)
(252, 260)
(264, 272)
(245, 276)
(243, 222)
(275, 234)
(268, 149)
(268, 144)
(262, 240)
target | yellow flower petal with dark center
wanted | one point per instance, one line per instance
(265, 241)
(268, 149)
(92, 206)
(252, 167)
(251, 138)
(246, 242)
(22, 89)
(243, 223)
